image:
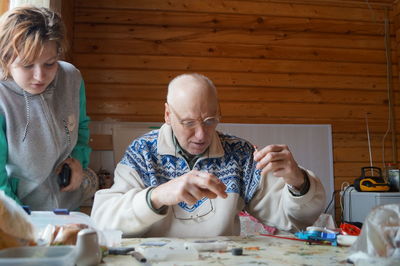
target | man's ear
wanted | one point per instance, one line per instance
(167, 115)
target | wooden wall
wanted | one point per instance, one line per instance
(4, 6)
(311, 62)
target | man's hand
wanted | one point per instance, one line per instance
(76, 174)
(279, 160)
(189, 188)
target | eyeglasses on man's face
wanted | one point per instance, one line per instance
(208, 122)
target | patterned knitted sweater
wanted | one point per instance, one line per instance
(153, 159)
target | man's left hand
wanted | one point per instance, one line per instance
(279, 160)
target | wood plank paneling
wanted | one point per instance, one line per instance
(225, 21)
(67, 14)
(242, 109)
(204, 35)
(255, 93)
(318, 9)
(131, 76)
(280, 61)
(112, 61)
(183, 48)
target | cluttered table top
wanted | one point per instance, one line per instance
(257, 250)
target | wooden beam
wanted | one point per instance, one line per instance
(67, 13)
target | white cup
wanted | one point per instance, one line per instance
(88, 249)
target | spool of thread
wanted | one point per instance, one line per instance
(237, 251)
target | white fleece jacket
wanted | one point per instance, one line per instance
(152, 160)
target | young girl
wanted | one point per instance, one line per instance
(43, 121)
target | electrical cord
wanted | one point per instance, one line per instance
(345, 185)
(330, 202)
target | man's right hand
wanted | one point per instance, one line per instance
(189, 188)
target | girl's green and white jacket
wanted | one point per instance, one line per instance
(37, 133)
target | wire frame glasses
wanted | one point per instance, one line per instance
(208, 122)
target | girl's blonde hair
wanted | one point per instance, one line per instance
(23, 32)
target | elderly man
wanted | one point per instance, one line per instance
(189, 180)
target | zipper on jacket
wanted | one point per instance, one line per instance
(49, 118)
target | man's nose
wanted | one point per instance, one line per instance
(200, 131)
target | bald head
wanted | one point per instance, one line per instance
(191, 89)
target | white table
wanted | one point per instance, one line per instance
(257, 250)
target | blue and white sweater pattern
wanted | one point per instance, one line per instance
(236, 168)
